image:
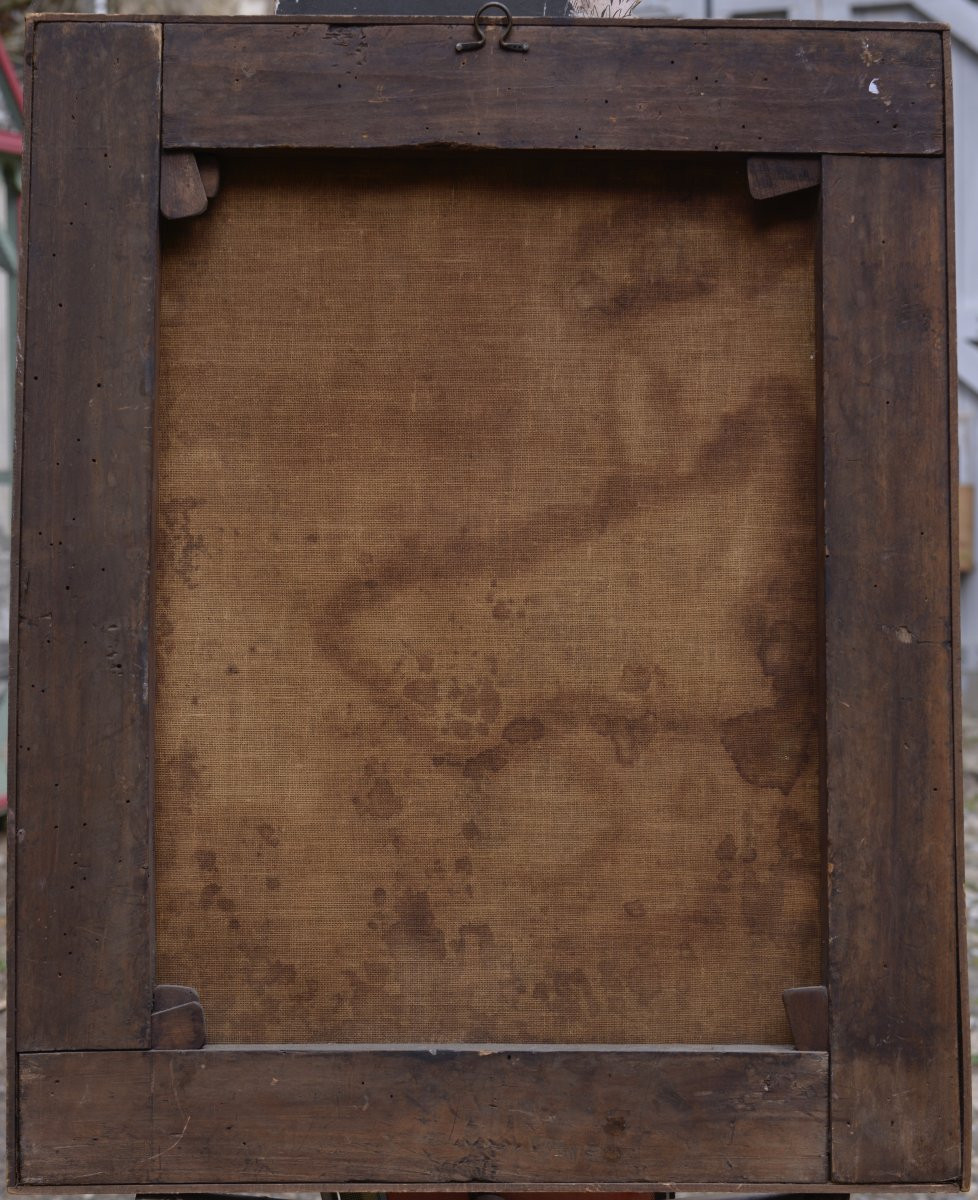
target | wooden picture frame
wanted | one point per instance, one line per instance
(96, 1100)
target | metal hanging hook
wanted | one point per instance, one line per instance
(480, 33)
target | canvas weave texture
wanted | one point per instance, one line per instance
(486, 602)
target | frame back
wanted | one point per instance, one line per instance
(486, 616)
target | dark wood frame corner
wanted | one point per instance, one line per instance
(888, 1105)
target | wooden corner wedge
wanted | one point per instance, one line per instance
(210, 174)
(808, 1016)
(770, 176)
(177, 1022)
(182, 191)
(169, 995)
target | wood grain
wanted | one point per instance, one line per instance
(209, 166)
(490, 1113)
(964, 1009)
(169, 995)
(773, 176)
(889, 574)
(603, 22)
(12, 1126)
(557, 1190)
(808, 1016)
(178, 1021)
(670, 88)
(182, 192)
(179, 1028)
(84, 975)
(83, 722)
